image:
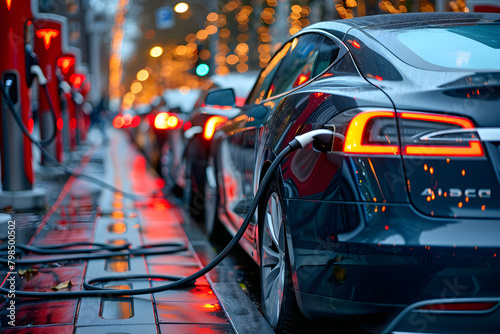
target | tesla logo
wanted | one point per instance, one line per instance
(47, 35)
(65, 63)
(456, 192)
(9, 2)
(77, 80)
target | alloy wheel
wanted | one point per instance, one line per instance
(273, 259)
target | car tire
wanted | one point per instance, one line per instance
(279, 305)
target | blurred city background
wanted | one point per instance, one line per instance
(138, 49)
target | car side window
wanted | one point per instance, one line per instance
(328, 53)
(298, 65)
(266, 76)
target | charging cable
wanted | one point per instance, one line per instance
(91, 290)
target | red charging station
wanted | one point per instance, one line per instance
(82, 86)
(49, 43)
(16, 157)
(67, 63)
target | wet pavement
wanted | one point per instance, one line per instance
(83, 212)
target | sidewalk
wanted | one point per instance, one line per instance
(83, 212)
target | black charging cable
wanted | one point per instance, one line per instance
(42, 81)
(94, 291)
(107, 251)
(42, 142)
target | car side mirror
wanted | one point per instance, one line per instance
(221, 97)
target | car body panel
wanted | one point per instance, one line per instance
(359, 240)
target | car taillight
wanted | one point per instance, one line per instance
(211, 124)
(172, 122)
(439, 135)
(118, 122)
(161, 121)
(127, 120)
(422, 134)
(164, 121)
(372, 132)
(136, 120)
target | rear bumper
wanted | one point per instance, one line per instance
(414, 320)
(386, 259)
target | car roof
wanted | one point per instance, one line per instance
(407, 20)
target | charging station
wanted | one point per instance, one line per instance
(17, 177)
(82, 86)
(67, 63)
(50, 41)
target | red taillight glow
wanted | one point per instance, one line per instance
(172, 121)
(357, 127)
(72, 123)
(47, 35)
(9, 3)
(473, 150)
(127, 120)
(211, 124)
(118, 122)
(187, 125)
(356, 44)
(361, 126)
(164, 121)
(136, 120)
(60, 124)
(161, 121)
(472, 306)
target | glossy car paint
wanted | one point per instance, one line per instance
(361, 237)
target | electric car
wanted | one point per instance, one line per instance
(398, 219)
(199, 130)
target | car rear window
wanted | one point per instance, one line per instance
(474, 47)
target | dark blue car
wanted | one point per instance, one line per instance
(398, 220)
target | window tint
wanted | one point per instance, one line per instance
(327, 54)
(298, 65)
(468, 47)
(267, 75)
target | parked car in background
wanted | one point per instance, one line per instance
(398, 219)
(154, 127)
(206, 115)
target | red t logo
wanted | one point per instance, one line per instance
(47, 35)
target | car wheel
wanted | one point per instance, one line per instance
(278, 298)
